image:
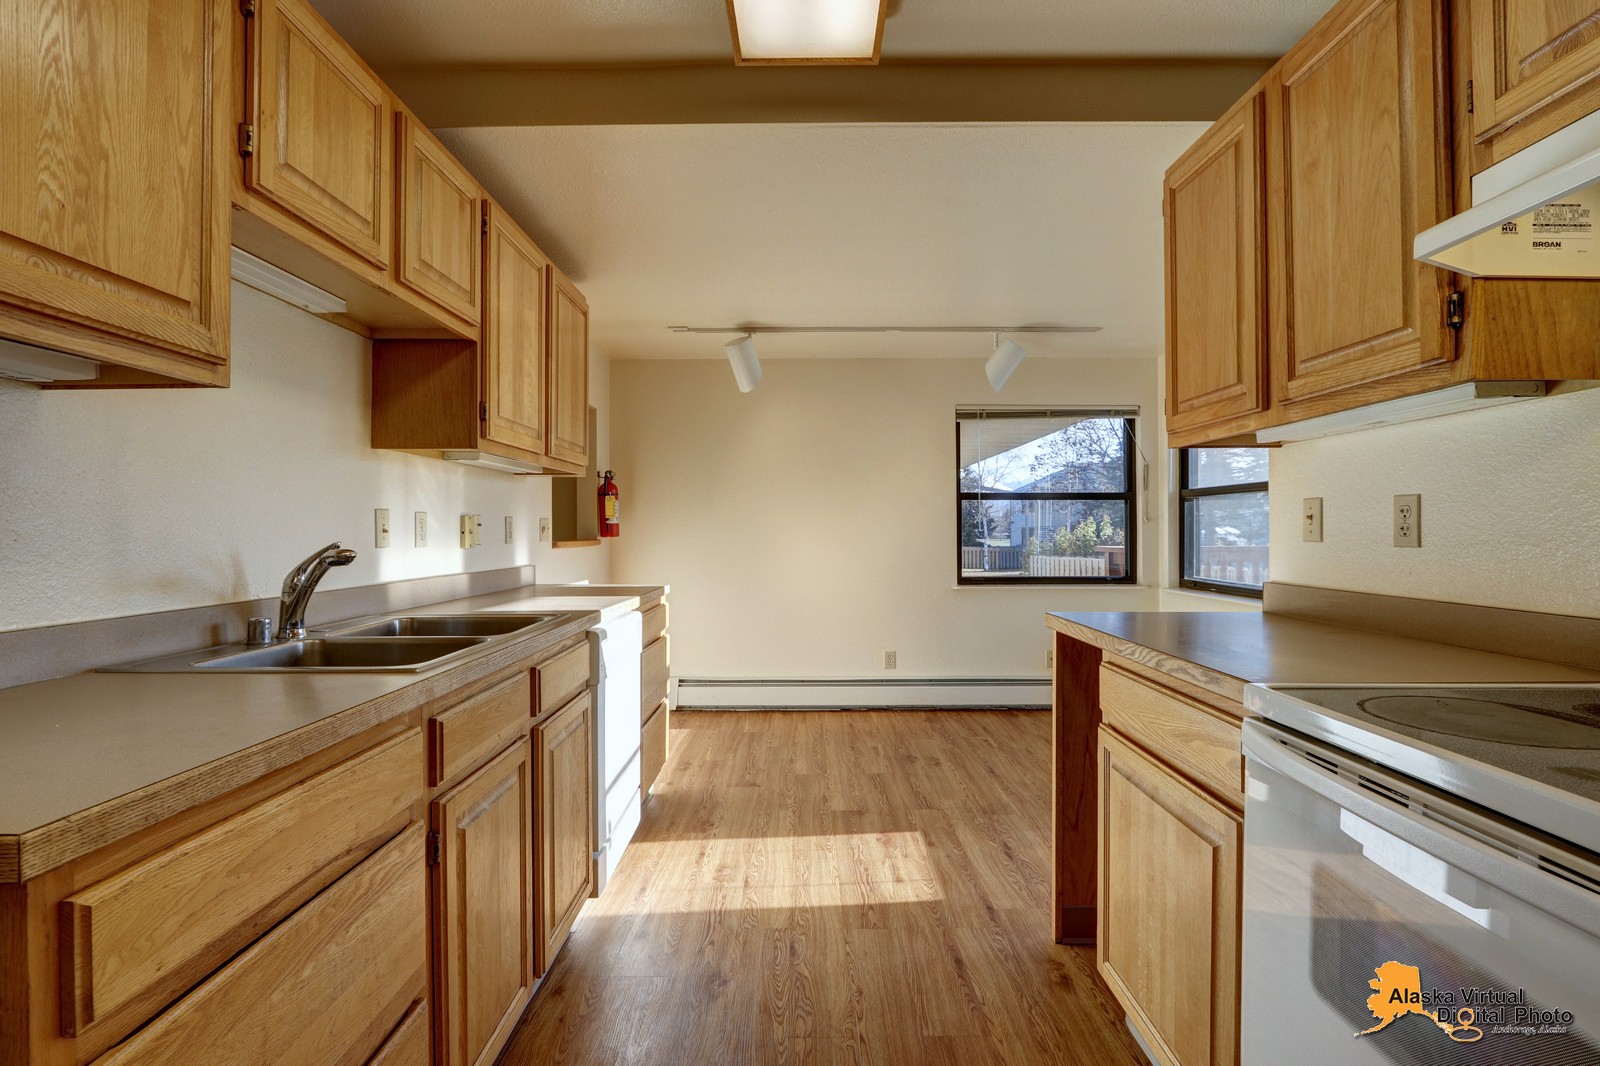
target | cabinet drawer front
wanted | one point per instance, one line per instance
(653, 745)
(325, 986)
(408, 1045)
(1196, 739)
(131, 943)
(655, 622)
(654, 668)
(471, 731)
(562, 678)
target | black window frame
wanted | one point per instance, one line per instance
(1186, 530)
(1129, 497)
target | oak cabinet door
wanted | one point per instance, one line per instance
(1168, 938)
(483, 903)
(566, 822)
(114, 134)
(515, 337)
(1528, 56)
(324, 145)
(1215, 209)
(1358, 175)
(569, 372)
(440, 223)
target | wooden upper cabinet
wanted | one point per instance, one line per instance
(515, 334)
(568, 433)
(1215, 212)
(1535, 60)
(565, 748)
(483, 907)
(1358, 174)
(1168, 936)
(439, 224)
(324, 129)
(114, 220)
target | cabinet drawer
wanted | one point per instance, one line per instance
(562, 678)
(474, 729)
(653, 746)
(133, 942)
(653, 672)
(408, 1045)
(325, 986)
(1196, 739)
(655, 622)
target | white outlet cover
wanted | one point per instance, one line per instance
(508, 529)
(419, 524)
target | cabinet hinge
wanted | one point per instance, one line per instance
(1469, 97)
(483, 412)
(1455, 310)
(485, 221)
(433, 849)
(247, 8)
(247, 139)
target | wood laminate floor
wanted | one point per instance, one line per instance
(832, 887)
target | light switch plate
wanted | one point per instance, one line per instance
(471, 530)
(420, 529)
(508, 529)
(1311, 518)
(380, 527)
(1408, 521)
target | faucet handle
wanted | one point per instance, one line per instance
(258, 631)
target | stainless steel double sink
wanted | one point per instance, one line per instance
(368, 645)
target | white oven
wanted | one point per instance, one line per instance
(1389, 921)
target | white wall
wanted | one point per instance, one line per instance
(1510, 510)
(809, 526)
(123, 502)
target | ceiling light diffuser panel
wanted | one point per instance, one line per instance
(807, 31)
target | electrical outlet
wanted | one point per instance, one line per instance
(1311, 519)
(380, 527)
(508, 529)
(420, 529)
(1408, 521)
(889, 662)
(1050, 658)
(471, 530)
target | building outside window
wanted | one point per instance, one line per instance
(1223, 519)
(1045, 496)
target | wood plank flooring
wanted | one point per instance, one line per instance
(833, 887)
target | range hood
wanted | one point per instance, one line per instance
(490, 461)
(1533, 214)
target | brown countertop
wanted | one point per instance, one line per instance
(88, 759)
(1222, 652)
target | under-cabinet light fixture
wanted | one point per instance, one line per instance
(746, 367)
(1467, 396)
(30, 363)
(807, 31)
(275, 281)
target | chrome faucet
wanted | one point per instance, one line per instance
(301, 583)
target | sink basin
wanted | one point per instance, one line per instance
(442, 625)
(345, 653)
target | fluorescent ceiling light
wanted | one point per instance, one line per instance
(275, 281)
(807, 31)
(1465, 397)
(1008, 355)
(746, 367)
(24, 362)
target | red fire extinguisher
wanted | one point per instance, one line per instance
(610, 507)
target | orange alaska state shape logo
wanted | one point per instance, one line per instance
(1397, 991)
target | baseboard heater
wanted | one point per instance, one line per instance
(831, 693)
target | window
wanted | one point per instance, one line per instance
(1045, 497)
(1223, 519)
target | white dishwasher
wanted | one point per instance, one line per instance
(615, 645)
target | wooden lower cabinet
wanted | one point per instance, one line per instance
(410, 1043)
(1168, 932)
(483, 901)
(566, 829)
(325, 986)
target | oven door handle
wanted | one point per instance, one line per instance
(1510, 863)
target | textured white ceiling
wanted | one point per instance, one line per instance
(846, 225)
(417, 32)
